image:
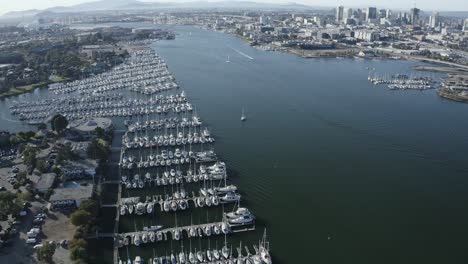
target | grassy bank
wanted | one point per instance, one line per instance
(23, 89)
(28, 88)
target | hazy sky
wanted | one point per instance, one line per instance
(452, 5)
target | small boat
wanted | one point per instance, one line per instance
(123, 209)
(226, 189)
(138, 260)
(144, 238)
(182, 258)
(159, 236)
(243, 116)
(231, 197)
(192, 258)
(241, 211)
(200, 257)
(136, 239)
(225, 228)
(225, 252)
(265, 255)
(207, 230)
(177, 234)
(149, 207)
(242, 220)
(152, 236)
(130, 209)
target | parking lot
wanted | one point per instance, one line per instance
(7, 176)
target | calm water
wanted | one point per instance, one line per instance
(338, 170)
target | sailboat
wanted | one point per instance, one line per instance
(243, 117)
(228, 60)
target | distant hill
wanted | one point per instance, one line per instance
(105, 5)
(19, 14)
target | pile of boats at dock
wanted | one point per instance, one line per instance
(142, 71)
(403, 82)
(241, 217)
(225, 255)
(165, 123)
(165, 158)
(103, 95)
(168, 165)
(216, 171)
(169, 139)
(179, 200)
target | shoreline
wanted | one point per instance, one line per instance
(445, 93)
(24, 89)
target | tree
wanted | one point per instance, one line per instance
(74, 243)
(100, 132)
(8, 204)
(78, 249)
(41, 165)
(29, 156)
(22, 177)
(59, 123)
(81, 218)
(98, 149)
(65, 153)
(46, 253)
(91, 207)
(25, 196)
(78, 253)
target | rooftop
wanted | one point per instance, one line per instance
(45, 181)
(89, 125)
(78, 193)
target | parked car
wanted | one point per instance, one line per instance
(64, 243)
(40, 215)
(38, 246)
(31, 241)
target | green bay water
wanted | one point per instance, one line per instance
(338, 170)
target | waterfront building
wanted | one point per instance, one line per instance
(87, 127)
(371, 14)
(434, 20)
(366, 35)
(414, 18)
(66, 198)
(348, 13)
(388, 14)
(383, 13)
(339, 14)
(44, 182)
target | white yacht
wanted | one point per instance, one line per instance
(242, 220)
(241, 211)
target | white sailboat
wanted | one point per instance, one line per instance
(228, 60)
(243, 116)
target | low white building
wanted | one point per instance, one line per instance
(66, 198)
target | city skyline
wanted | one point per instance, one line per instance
(449, 5)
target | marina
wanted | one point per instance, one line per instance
(167, 146)
(350, 142)
(403, 81)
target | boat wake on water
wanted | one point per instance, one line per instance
(242, 53)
